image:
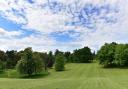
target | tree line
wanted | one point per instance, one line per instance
(29, 62)
(113, 55)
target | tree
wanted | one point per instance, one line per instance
(106, 54)
(2, 60)
(113, 54)
(124, 58)
(45, 59)
(2, 65)
(94, 55)
(67, 55)
(58, 52)
(83, 55)
(50, 60)
(59, 62)
(30, 63)
(118, 53)
(121, 55)
(2, 55)
(11, 59)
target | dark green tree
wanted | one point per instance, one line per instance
(45, 59)
(124, 58)
(83, 55)
(2, 55)
(11, 59)
(2, 60)
(58, 52)
(121, 58)
(106, 54)
(59, 62)
(30, 63)
(2, 65)
(67, 55)
(51, 59)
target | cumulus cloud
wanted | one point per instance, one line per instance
(5, 33)
(93, 22)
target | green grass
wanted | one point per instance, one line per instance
(76, 76)
(12, 73)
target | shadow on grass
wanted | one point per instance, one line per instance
(115, 67)
(41, 75)
(1, 71)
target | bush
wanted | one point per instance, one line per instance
(59, 62)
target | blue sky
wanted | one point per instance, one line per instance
(62, 24)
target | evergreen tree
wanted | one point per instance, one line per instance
(60, 62)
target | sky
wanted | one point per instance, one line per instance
(66, 25)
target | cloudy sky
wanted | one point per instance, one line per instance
(62, 24)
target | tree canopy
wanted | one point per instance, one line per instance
(113, 54)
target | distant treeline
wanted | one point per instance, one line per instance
(30, 62)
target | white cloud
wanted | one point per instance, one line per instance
(44, 21)
(38, 42)
(5, 33)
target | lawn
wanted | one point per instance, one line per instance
(76, 76)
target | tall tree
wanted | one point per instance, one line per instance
(2, 55)
(50, 59)
(106, 54)
(59, 62)
(11, 58)
(58, 52)
(67, 55)
(45, 59)
(30, 63)
(121, 55)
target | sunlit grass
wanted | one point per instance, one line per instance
(76, 76)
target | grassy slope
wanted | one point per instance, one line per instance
(77, 76)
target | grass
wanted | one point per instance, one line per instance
(76, 76)
(12, 73)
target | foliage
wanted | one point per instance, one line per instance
(57, 52)
(12, 58)
(60, 62)
(67, 56)
(2, 65)
(50, 60)
(106, 54)
(83, 55)
(30, 63)
(121, 55)
(113, 54)
(124, 58)
(45, 59)
(2, 55)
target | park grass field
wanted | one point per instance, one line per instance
(76, 76)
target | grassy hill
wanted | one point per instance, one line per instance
(76, 76)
